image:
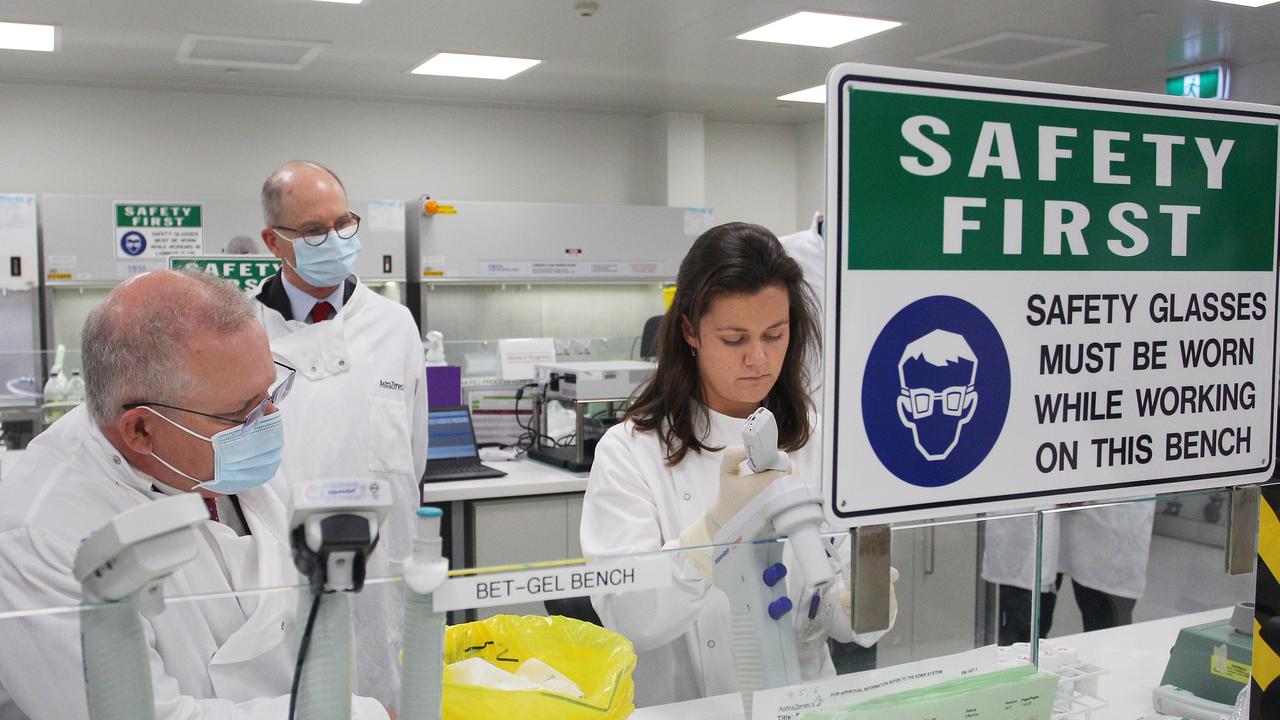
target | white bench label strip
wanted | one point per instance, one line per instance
(510, 588)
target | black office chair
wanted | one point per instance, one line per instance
(649, 338)
(578, 608)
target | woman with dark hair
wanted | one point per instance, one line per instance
(741, 334)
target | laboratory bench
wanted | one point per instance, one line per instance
(1133, 655)
(531, 515)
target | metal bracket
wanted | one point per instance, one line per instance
(869, 572)
(1242, 529)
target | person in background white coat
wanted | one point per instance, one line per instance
(809, 251)
(171, 362)
(738, 336)
(1104, 550)
(359, 404)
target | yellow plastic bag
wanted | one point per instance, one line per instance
(599, 661)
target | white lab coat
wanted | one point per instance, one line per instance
(809, 251)
(1104, 548)
(224, 658)
(358, 409)
(636, 504)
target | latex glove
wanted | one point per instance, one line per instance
(846, 609)
(812, 632)
(735, 491)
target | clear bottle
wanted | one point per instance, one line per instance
(55, 392)
(55, 389)
(75, 388)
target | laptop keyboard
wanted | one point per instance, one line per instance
(452, 465)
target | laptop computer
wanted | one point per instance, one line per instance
(451, 447)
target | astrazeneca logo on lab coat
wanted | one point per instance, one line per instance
(936, 391)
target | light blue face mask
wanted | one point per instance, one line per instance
(329, 263)
(241, 460)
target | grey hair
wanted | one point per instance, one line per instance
(241, 245)
(141, 357)
(273, 190)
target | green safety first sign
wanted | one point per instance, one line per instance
(154, 231)
(1041, 294)
(247, 271)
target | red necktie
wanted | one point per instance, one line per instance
(213, 507)
(321, 311)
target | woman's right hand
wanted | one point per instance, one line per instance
(737, 489)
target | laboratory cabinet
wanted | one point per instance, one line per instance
(102, 239)
(512, 531)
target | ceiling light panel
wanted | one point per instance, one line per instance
(816, 94)
(247, 52)
(1248, 3)
(486, 67)
(824, 30)
(1011, 51)
(26, 36)
(344, 2)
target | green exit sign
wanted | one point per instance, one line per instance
(1208, 83)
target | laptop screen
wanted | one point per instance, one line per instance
(449, 434)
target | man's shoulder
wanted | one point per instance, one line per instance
(386, 314)
(47, 494)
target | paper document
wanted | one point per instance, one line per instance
(840, 692)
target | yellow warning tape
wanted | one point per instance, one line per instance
(1266, 663)
(1269, 536)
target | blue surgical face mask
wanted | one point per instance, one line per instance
(327, 264)
(241, 460)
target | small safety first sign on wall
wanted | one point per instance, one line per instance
(1043, 294)
(146, 231)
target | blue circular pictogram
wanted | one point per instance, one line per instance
(936, 391)
(133, 243)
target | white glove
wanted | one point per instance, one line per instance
(736, 490)
(812, 633)
(846, 606)
(833, 618)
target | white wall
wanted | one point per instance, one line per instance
(811, 172)
(751, 174)
(88, 140)
(106, 141)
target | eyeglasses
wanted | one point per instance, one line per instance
(952, 398)
(277, 395)
(315, 235)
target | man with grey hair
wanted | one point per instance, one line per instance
(359, 405)
(181, 391)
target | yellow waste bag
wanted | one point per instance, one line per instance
(599, 661)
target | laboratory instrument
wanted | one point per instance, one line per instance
(749, 569)
(124, 564)
(334, 527)
(421, 685)
(597, 392)
(1208, 666)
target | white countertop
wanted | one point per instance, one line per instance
(524, 477)
(1134, 656)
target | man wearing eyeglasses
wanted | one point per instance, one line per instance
(359, 403)
(181, 395)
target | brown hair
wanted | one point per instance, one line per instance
(734, 258)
